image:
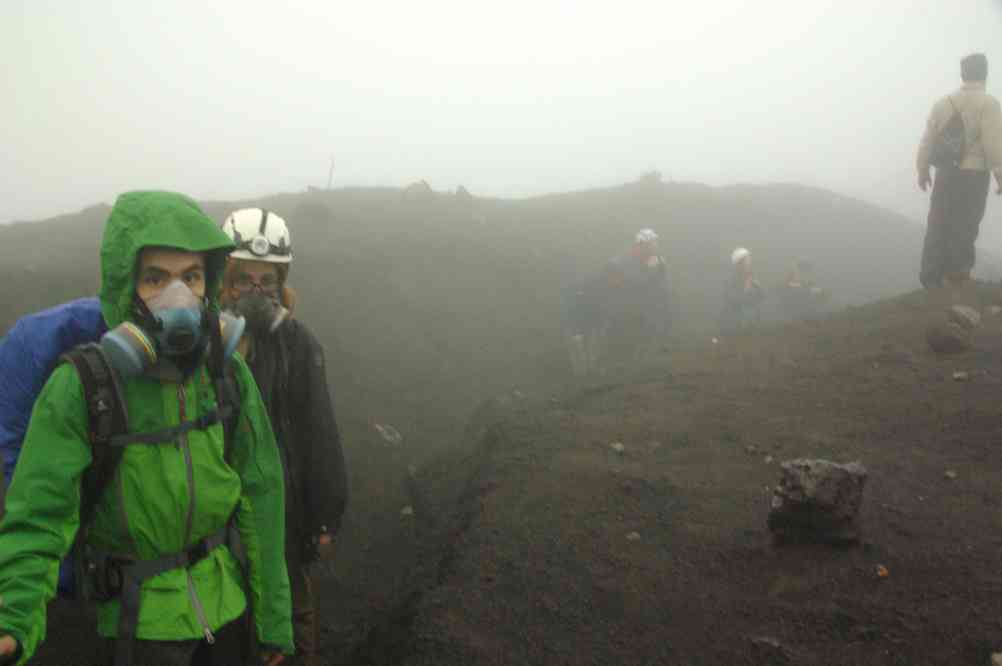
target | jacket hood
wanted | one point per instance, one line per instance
(155, 219)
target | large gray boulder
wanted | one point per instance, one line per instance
(818, 501)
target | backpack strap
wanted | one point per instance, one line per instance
(166, 435)
(224, 382)
(107, 417)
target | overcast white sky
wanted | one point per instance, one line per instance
(509, 98)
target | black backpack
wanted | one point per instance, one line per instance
(950, 145)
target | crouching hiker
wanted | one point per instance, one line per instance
(288, 365)
(152, 454)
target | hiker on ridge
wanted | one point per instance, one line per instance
(641, 289)
(799, 297)
(963, 140)
(288, 365)
(583, 322)
(159, 452)
(632, 285)
(743, 295)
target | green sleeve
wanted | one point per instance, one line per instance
(43, 508)
(261, 516)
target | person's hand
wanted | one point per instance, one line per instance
(998, 182)
(924, 180)
(325, 546)
(8, 648)
(269, 658)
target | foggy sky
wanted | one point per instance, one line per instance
(508, 98)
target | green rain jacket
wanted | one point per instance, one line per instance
(164, 498)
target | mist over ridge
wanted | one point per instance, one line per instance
(234, 101)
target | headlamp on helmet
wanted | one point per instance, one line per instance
(259, 235)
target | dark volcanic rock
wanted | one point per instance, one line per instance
(818, 501)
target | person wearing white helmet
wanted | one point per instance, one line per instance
(643, 290)
(632, 285)
(743, 295)
(288, 364)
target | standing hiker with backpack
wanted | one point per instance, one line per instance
(289, 367)
(152, 455)
(963, 140)
(743, 296)
(630, 294)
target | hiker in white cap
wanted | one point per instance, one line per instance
(743, 295)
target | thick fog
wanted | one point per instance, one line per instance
(508, 98)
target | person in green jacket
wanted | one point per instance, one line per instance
(166, 499)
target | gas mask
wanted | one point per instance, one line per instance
(263, 312)
(173, 325)
(177, 321)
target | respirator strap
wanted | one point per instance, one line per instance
(144, 318)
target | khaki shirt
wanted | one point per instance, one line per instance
(983, 122)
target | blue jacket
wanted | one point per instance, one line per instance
(28, 355)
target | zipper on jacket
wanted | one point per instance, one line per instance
(284, 439)
(196, 603)
(189, 466)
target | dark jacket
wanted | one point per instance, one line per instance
(625, 287)
(741, 306)
(641, 288)
(291, 374)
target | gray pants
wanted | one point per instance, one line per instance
(959, 197)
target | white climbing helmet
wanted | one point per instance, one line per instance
(739, 255)
(646, 236)
(259, 235)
